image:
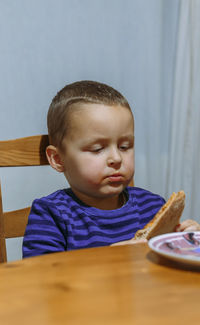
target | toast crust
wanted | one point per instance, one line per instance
(166, 219)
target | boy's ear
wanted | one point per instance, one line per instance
(54, 158)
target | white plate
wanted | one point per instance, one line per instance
(182, 247)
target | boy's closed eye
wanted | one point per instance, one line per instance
(126, 143)
(125, 146)
(93, 148)
(96, 149)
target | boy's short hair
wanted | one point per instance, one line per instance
(73, 95)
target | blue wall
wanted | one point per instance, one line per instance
(46, 44)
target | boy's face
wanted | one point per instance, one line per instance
(98, 158)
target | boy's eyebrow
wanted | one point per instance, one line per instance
(129, 137)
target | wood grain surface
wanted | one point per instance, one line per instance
(28, 151)
(109, 285)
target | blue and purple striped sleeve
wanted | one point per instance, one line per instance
(44, 232)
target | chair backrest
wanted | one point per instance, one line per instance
(29, 151)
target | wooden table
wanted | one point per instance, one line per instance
(108, 285)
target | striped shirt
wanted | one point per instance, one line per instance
(60, 221)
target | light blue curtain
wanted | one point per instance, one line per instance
(184, 149)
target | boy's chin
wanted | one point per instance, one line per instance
(114, 190)
(117, 186)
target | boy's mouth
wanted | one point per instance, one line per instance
(115, 177)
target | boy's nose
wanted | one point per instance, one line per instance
(114, 158)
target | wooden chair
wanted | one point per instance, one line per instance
(29, 151)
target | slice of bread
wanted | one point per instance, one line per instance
(166, 219)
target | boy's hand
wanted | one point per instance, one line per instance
(130, 242)
(188, 225)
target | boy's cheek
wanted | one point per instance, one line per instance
(92, 173)
(130, 169)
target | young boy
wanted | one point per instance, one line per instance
(91, 133)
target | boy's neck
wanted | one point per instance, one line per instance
(110, 203)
